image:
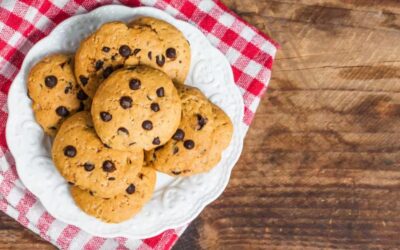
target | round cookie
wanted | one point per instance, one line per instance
(122, 206)
(174, 55)
(54, 91)
(188, 151)
(108, 49)
(115, 45)
(85, 161)
(136, 107)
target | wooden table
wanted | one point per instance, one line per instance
(320, 166)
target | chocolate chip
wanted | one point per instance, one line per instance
(160, 60)
(70, 151)
(155, 107)
(68, 88)
(108, 166)
(119, 66)
(149, 55)
(201, 121)
(122, 130)
(136, 51)
(125, 102)
(176, 172)
(147, 125)
(141, 176)
(160, 92)
(91, 193)
(81, 95)
(99, 64)
(105, 116)
(156, 141)
(125, 51)
(179, 135)
(105, 49)
(107, 72)
(170, 53)
(134, 84)
(71, 183)
(88, 166)
(131, 189)
(84, 80)
(111, 178)
(189, 144)
(50, 81)
(62, 111)
(176, 149)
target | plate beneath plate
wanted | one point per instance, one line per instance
(176, 201)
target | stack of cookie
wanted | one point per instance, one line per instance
(119, 111)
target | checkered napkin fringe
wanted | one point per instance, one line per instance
(23, 23)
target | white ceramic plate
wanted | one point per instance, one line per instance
(176, 201)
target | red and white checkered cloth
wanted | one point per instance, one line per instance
(23, 23)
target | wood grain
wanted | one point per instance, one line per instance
(320, 167)
(14, 236)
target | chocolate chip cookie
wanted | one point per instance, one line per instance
(54, 92)
(188, 151)
(122, 206)
(85, 161)
(115, 45)
(223, 130)
(173, 57)
(136, 107)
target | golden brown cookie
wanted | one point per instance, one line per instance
(54, 91)
(222, 135)
(174, 56)
(136, 107)
(188, 151)
(85, 161)
(115, 45)
(122, 206)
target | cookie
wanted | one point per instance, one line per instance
(122, 206)
(115, 45)
(188, 151)
(82, 159)
(136, 107)
(223, 130)
(174, 55)
(106, 50)
(54, 91)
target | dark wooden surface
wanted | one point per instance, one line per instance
(320, 166)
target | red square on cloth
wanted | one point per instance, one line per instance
(22, 23)
(229, 37)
